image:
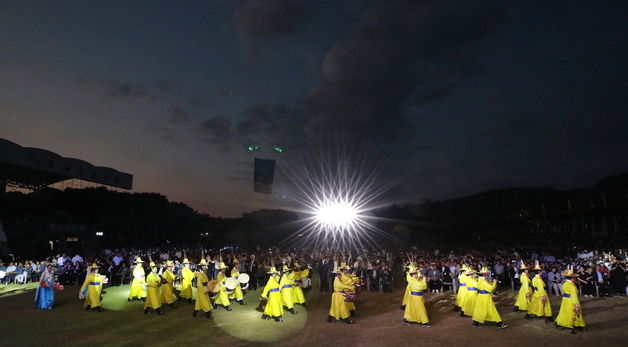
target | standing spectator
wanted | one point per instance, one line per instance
(435, 278)
(554, 280)
(618, 278)
(601, 278)
(77, 259)
(62, 259)
(117, 259)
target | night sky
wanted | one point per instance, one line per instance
(466, 95)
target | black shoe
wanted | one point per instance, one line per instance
(426, 325)
(515, 309)
(278, 319)
(87, 308)
(304, 304)
(456, 308)
(502, 325)
(528, 316)
(350, 321)
(581, 329)
(558, 327)
(353, 313)
(228, 308)
(549, 319)
(292, 310)
(129, 299)
(265, 317)
(476, 324)
(209, 315)
(330, 319)
(173, 305)
(195, 313)
(403, 307)
(160, 311)
(405, 322)
(100, 309)
(146, 311)
(241, 302)
(143, 299)
(190, 301)
(461, 314)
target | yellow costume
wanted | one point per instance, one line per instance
(462, 288)
(202, 293)
(186, 280)
(485, 309)
(223, 297)
(297, 291)
(286, 283)
(339, 309)
(237, 292)
(92, 289)
(570, 314)
(346, 280)
(271, 292)
(539, 304)
(406, 294)
(167, 289)
(523, 298)
(138, 286)
(153, 296)
(468, 304)
(415, 311)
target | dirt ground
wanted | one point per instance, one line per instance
(378, 324)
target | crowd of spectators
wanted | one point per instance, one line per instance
(601, 273)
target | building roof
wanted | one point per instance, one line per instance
(36, 167)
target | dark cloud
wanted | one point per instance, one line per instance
(259, 19)
(178, 115)
(118, 89)
(278, 122)
(401, 50)
(218, 130)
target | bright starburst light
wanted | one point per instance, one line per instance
(339, 215)
(336, 194)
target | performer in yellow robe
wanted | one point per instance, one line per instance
(406, 294)
(223, 298)
(346, 279)
(415, 311)
(297, 291)
(237, 292)
(570, 315)
(203, 302)
(138, 286)
(271, 293)
(470, 297)
(462, 288)
(153, 295)
(485, 309)
(167, 285)
(92, 289)
(525, 292)
(286, 283)
(187, 276)
(539, 306)
(339, 308)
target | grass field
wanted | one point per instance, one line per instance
(379, 324)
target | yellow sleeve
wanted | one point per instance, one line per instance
(88, 279)
(267, 287)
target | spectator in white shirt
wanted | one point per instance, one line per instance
(77, 259)
(62, 259)
(117, 259)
